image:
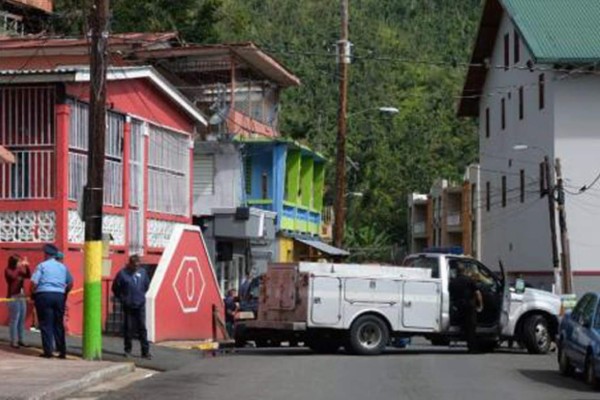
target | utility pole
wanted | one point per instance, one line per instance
(564, 234)
(94, 193)
(340, 165)
(552, 213)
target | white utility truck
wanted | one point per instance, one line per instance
(362, 307)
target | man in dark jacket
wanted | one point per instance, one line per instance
(130, 287)
(467, 298)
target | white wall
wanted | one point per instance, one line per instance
(227, 181)
(518, 233)
(577, 132)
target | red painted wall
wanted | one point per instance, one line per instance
(140, 98)
(187, 290)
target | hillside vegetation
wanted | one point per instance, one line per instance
(408, 54)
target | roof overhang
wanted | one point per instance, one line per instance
(82, 74)
(324, 247)
(248, 53)
(39, 5)
(484, 45)
(263, 140)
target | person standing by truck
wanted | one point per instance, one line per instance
(468, 300)
(231, 307)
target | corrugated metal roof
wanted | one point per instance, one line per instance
(558, 31)
(555, 31)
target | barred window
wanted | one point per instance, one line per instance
(168, 172)
(27, 129)
(78, 158)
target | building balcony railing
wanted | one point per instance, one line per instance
(453, 219)
(419, 228)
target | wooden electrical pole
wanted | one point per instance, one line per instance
(564, 234)
(94, 193)
(549, 188)
(340, 165)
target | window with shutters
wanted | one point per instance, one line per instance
(248, 174)
(503, 191)
(517, 46)
(204, 175)
(506, 51)
(487, 196)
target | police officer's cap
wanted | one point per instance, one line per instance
(50, 249)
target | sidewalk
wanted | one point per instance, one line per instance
(26, 376)
(164, 358)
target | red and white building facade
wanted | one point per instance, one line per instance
(148, 161)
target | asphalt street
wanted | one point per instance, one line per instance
(419, 372)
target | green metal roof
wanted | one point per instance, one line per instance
(558, 31)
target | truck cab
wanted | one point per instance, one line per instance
(527, 316)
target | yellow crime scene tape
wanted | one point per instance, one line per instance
(10, 299)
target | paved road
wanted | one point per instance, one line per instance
(419, 373)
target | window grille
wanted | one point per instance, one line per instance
(78, 148)
(136, 177)
(168, 172)
(27, 129)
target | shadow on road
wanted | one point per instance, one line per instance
(416, 350)
(553, 378)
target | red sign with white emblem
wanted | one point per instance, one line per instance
(183, 290)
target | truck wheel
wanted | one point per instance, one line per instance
(261, 343)
(326, 345)
(368, 335)
(535, 335)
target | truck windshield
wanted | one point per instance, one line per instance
(424, 262)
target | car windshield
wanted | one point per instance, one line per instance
(424, 262)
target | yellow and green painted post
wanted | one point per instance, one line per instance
(92, 301)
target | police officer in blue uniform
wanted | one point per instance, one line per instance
(51, 282)
(130, 287)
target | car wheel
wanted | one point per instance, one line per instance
(536, 335)
(589, 372)
(368, 335)
(564, 364)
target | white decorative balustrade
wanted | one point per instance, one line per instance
(27, 226)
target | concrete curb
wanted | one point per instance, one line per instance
(76, 385)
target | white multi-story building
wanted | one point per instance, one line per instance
(533, 83)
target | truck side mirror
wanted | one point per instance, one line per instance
(519, 286)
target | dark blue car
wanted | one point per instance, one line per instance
(579, 339)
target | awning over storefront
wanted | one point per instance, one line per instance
(324, 247)
(6, 157)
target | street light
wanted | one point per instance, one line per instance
(382, 109)
(551, 209)
(340, 170)
(354, 194)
